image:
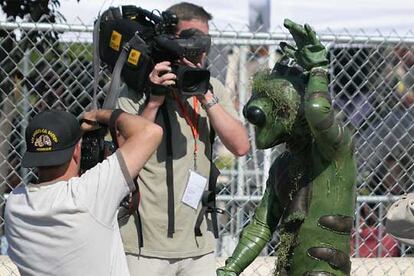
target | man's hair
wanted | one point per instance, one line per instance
(187, 11)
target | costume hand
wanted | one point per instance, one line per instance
(310, 52)
(223, 272)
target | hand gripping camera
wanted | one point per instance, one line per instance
(149, 39)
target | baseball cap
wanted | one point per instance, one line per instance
(51, 137)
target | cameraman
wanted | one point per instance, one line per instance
(165, 222)
(66, 224)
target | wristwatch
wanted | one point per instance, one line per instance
(213, 100)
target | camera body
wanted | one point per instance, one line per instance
(155, 41)
(93, 148)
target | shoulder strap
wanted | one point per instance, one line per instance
(96, 62)
(170, 184)
(169, 169)
(209, 196)
(208, 199)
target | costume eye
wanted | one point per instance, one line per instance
(254, 115)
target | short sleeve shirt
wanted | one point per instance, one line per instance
(400, 219)
(70, 227)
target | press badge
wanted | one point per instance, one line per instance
(194, 190)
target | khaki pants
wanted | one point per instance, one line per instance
(148, 266)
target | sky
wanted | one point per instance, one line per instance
(225, 12)
(370, 16)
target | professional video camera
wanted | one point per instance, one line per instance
(148, 39)
(131, 40)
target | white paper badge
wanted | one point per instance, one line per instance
(194, 190)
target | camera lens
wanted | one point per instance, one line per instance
(191, 81)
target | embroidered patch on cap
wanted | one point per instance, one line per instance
(43, 139)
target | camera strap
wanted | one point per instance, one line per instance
(130, 204)
(169, 168)
(114, 87)
(111, 97)
(96, 62)
(209, 197)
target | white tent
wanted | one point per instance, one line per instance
(336, 15)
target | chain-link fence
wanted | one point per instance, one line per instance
(371, 81)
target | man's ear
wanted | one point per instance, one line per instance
(77, 152)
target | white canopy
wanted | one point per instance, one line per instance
(352, 15)
(372, 16)
(337, 15)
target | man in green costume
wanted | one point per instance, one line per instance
(310, 191)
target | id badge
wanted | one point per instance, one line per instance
(194, 189)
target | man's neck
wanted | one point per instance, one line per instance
(55, 174)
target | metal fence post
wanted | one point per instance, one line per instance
(25, 110)
(241, 161)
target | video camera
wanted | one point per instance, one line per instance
(150, 38)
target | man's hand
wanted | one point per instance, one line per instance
(223, 272)
(190, 64)
(89, 121)
(310, 52)
(161, 75)
(204, 98)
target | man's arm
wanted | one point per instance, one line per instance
(400, 219)
(138, 137)
(230, 130)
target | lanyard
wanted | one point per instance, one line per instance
(192, 123)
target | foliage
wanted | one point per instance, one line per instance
(39, 10)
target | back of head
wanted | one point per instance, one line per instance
(51, 137)
(187, 11)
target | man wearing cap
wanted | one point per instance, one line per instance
(66, 223)
(400, 219)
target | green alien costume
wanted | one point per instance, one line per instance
(310, 191)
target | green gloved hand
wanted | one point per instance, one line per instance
(310, 52)
(222, 271)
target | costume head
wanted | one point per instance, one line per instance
(276, 104)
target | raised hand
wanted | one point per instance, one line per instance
(310, 52)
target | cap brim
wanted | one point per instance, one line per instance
(46, 159)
